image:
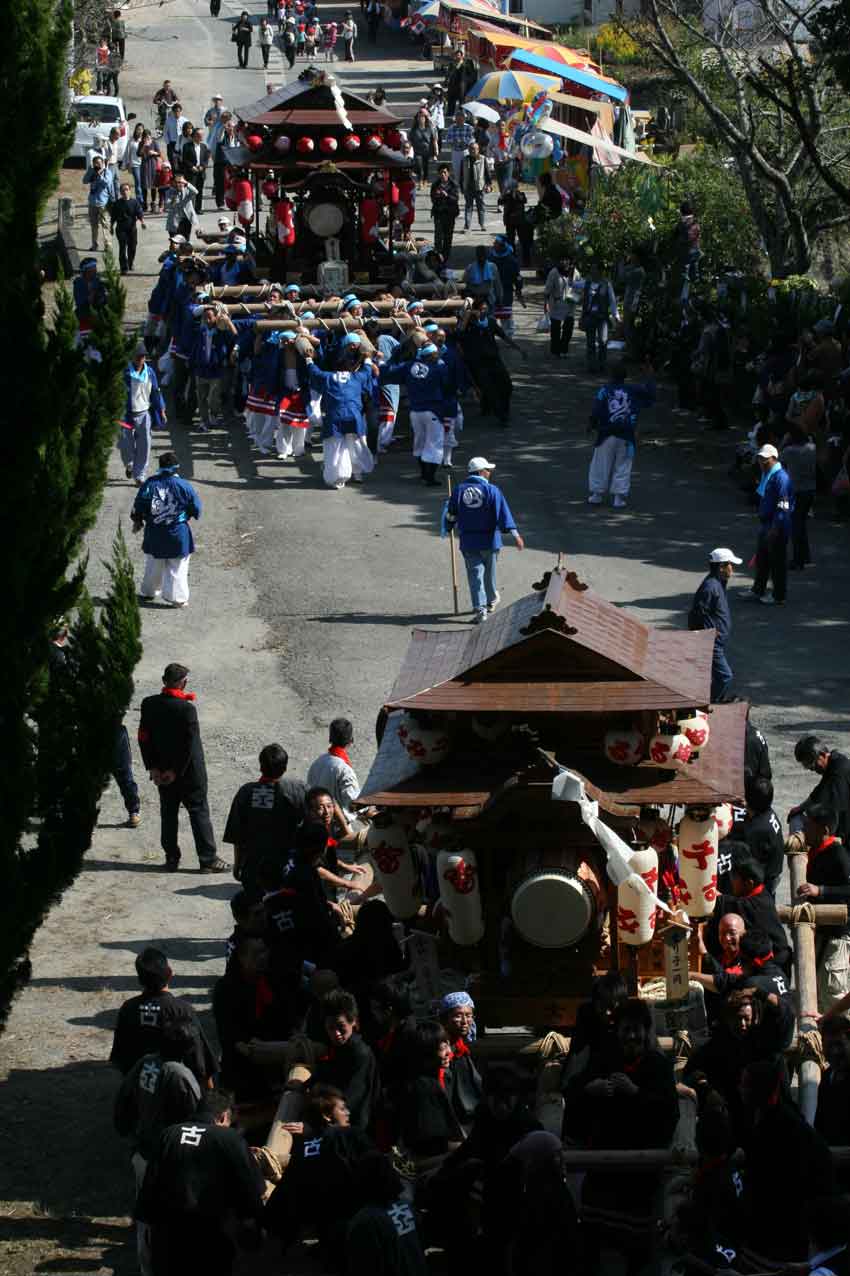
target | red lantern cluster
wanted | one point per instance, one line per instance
(328, 145)
(374, 142)
(305, 145)
(254, 142)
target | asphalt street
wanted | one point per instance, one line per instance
(302, 603)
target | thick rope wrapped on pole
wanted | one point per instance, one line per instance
(331, 309)
(405, 325)
(256, 292)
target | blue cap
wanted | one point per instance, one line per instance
(429, 348)
(350, 339)
(353, 301)
(415, 305)
(431, 327)
(87, 263)
(307, 314)
(291, 288)
(350, 296)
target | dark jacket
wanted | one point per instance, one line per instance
(170, 738)
(829, 869)
(246, 1008)
(124, 214)
(154, 1094)
(427, 1121)
(833, 791)
(188, 160)
(140, 1025)
(763, 835)
(759, 913)
(710, 608)
(200, 1172)
(353, 1070)
(264, 815)
(445, 199)
(756, 754)
(788, 1165)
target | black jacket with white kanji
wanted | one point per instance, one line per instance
(140, 1026)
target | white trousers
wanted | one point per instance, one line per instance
(263, 432)
(344, 457)
(289, 440)
(427, 437)
(611, 466)
(170, 576)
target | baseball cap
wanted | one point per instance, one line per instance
(224, 222)
(768, 452)
(216, 97)
(479, 463)
(291, 288)
(723, 555)
(178, 239)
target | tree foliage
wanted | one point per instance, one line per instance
(60, 412)
(769, 104)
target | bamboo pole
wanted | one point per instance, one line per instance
(825, 914)
(453, 553)
(235, 292)
(805, 961)
(331, 308)
(385, 325)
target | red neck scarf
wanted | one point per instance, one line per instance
(758, 890)
(758, 962)
(459, 1049)
(441, 1077)
(337, 751)
(735, 969)
(177, 694)
(818, 850)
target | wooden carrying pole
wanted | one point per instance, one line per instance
(453, 552)
(346, 325)
(331, 310)
(236, 292)
(804, 920)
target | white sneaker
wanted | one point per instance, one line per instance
(494, 604)
(619, 502)
(479, 618)
(594, 499)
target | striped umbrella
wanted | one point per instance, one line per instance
(511, 86)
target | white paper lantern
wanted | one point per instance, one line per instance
(395, 868)
(626, 748)
(673, 751)
(697, 730)
(724, 819)
(698, 864)
(460, 896)
(427, 745)
(635, 908)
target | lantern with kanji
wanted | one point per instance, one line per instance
(305, 146)
(283, 144)
(351, 142)
(426, 743)
(672, 751)
(395, 866)
(724, 818)
(460, 896)
(285, 221)
(636, 906)
(327, 145)
(698, 862)
(624, 747)
(254, 142)
(696, 729)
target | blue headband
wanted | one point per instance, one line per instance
(428, 348)
(291, 288)
(351, 339)
(415, 305)
(431, 327)
(355, 301)
(307, 314)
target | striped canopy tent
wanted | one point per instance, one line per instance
(525, 60)
(510, 86)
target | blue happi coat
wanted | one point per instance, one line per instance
(426, 383)
(165, 503)
(342, 394)
(616, 407)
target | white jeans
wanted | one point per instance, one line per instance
(427, 437)
(262, 430)
(289, 440)
(167, 575)
(346, 456)
(611, 466)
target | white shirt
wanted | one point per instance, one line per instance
(140, 392)
(340, 780)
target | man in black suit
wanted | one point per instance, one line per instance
(193, 162)
(170, 742)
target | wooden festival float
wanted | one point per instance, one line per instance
(308, 154)
(468, 840)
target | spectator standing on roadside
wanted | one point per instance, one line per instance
(710, 610)
(227, 137)
(101, 194)
(126, 214)
(194, 160)
(457, 138)
(776, 503)
(445, 206)
(113, 70)
(150, 160)
(213, 120)
(133, 160)
(182, 215)
(473, 180)
(118, 32)
(560, 307)
(172, 130)
(266, 40)
(170, 741)
(349, 35)
(242, 36)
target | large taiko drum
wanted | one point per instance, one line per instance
(555, 897)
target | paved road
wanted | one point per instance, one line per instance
(301, 607)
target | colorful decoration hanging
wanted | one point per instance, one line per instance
(351, 142)
(243, 194)
(373, 141)
(395, 867)
(427, 745)
(670, 751)
(328, 145)
(254, 142)
(625, 748)
(724, 818)
(698, 863)
(285, 222)
(460, 896)
(305, 145)
(283, 144)
(697, 730)
(635, 907)
(269, 188)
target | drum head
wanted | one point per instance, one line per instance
(325, 220)
(551, 909)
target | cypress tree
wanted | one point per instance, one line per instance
(60, 410)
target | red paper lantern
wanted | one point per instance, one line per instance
(269, 188)
(351, 142)
(328, 145)
(283, 144)
(305, 145)
(254, 142)
(374, 142)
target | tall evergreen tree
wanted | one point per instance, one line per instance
(60, 410)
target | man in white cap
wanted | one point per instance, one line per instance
(213, 122)
(480, 512)
(710, 610)
(776, 504)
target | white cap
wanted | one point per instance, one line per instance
(723, 555)
(224, 222)
(768, 452)
(178, 239)
(216, 97)
(479, 463)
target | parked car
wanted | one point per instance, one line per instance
(95, 116)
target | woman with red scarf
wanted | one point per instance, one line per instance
(457, 1015)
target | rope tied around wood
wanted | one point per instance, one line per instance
(803, 915)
